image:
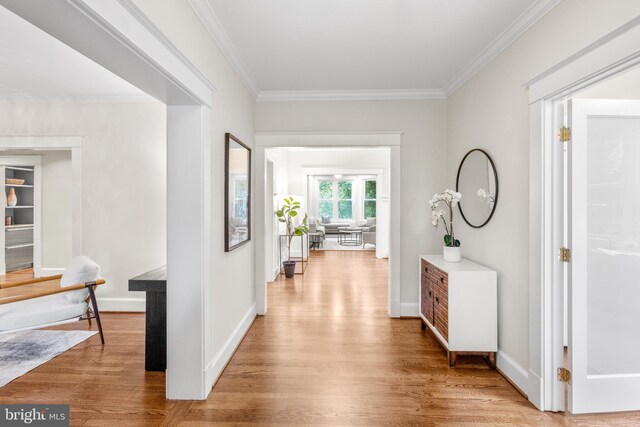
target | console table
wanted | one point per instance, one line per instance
(154, 283)
(459, 305)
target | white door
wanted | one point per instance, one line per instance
(604, 273)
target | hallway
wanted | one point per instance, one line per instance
(327, 353)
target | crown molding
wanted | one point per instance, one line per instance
(350, 95)
(529, 17)
(207, 16)
(81, 97)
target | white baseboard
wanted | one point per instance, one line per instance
(394, 308)
(219, 362)
(409, 309)
(122, 304)
(47, 271)
(535, 390)
(512, 370)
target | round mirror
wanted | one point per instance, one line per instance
(477, 181)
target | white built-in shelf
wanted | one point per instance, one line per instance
(16, 168)
(18, 227)
(19, 185)
(22, 245)
(18, 207)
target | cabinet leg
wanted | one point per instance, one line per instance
(492, 360)
(423, 325)
(452, 359)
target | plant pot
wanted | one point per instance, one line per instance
(451, 253)
(289, 268)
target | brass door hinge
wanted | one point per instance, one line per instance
(564, 254)
(564, 375)
(564, 134)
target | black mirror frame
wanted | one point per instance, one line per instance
(227, 244)
(495, 176)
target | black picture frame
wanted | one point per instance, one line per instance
(495, 175)
(237, 229)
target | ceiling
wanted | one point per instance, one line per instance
(363, 45)
(34, 65)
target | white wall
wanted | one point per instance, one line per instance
(57, 184)
(423, 171)
(123, 185)
(491, 111)
(232, 111)
(623, 86)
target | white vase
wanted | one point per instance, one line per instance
(452, 254)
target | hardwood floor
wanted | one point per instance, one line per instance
(325, 354)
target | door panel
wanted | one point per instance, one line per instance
(604, 279)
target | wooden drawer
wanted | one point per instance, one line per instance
(441, 312)
(427, 298)
(439, 277)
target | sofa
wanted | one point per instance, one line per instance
(332, 227)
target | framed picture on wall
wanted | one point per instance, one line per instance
(237, 199)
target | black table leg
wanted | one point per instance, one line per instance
(155, 352)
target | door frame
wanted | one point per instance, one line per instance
(72, 144)
(266, 140)
(611, 55)
(124, 41)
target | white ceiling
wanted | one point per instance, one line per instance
(363, 45)
(34, 65)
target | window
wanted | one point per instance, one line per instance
(240, 197)
(369, 199)
(345, 205)
(326, 199)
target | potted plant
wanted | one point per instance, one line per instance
(286, 214)
(451, 250)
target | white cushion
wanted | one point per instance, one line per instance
(39, 312)
(81, 269)
(370, 222)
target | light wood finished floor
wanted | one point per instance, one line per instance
(326, 354)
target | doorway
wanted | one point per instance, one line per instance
(602, 232)
(125, 42)
(582, 232)
(264, 142)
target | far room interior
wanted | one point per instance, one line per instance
(83, 172)
(343, 192)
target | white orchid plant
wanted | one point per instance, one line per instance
(450, 199)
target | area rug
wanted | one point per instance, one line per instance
(23, 351)
(331, 244)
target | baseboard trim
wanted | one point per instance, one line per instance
(394, 308)
(216, 366)
(535, 390)
(122, 304)
(513, 372)
(409, 309)
(47, 271)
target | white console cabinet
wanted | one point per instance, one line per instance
(459, 304)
